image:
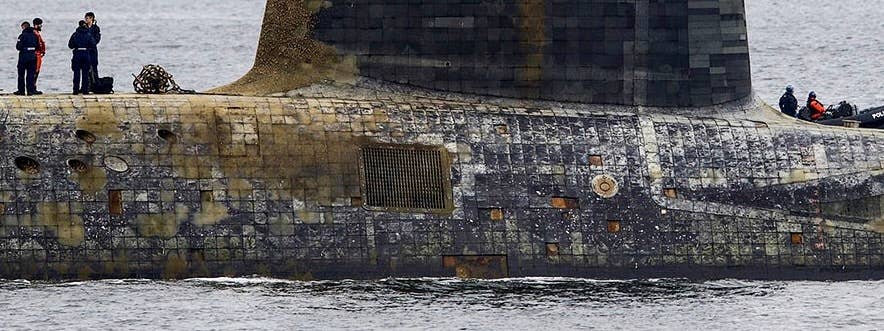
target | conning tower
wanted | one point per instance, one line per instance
(645, 53)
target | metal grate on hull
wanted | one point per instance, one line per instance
(406, 178)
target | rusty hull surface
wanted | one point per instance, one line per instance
(187, 186)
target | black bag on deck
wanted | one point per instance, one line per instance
(103, 85)
(804, 114)
(843, 109)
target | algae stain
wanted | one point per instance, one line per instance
(175, 266)
(163, 225)
(301, 158)
(797, 176)
(85, 272)
(288, 57)
(210, 213)
(315, 5)
(877, 225)
(101, 121)
(57, 218)
(282, 225)
(240, 188)
(292, 156)
(532, 34)
(118, 266)
(92, 180)
(309, 217)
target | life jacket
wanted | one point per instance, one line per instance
(817, 109)
(41, 44)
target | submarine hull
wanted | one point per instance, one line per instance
(322, 188)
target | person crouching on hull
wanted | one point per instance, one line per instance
(817, 110)
(81, 44)
(27, 60)
(788, 103)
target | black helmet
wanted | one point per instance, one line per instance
(812, 94)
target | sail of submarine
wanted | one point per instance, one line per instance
(479, 139)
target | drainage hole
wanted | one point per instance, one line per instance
(28, 165)
(167, 136)
(86, 136)
(78, 166)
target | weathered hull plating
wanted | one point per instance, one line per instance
(186, 186)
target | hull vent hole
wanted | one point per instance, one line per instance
(27, 165)
(85, 136)
(167, 136)
(78, 166)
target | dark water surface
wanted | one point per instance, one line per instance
(534, 303)
(833, 47)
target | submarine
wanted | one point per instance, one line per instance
(429, 138)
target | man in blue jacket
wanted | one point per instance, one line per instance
(788, 103)
(27, 60)
(81, 44)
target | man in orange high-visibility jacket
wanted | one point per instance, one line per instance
(41, 46)
(816, 108)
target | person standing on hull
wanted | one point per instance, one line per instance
(788, 103)
(27, 60)
(41, 48)
(95, 32)
(81, 44)
(816, 108)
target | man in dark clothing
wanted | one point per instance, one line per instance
(81, 44)
(95, 31)
(27, 60)
(788, 103)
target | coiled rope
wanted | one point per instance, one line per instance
(153, 79)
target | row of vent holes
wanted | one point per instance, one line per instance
(90, 138)
(32, 167)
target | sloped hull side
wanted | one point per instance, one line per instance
(209, 186)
